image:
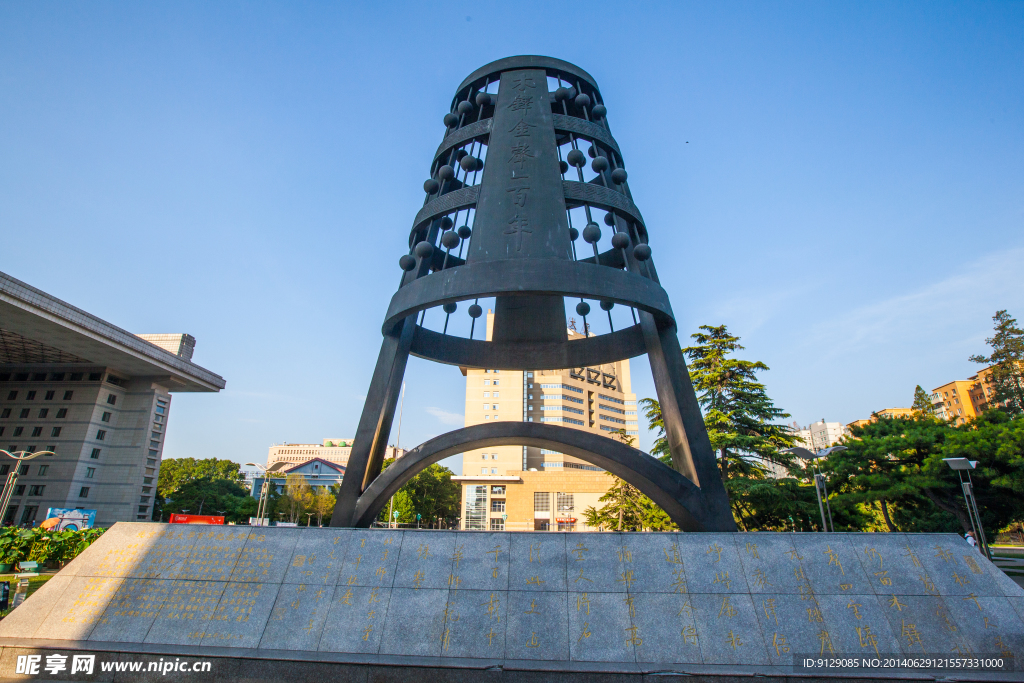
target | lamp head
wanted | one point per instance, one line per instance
(960, 464)
(800, 452)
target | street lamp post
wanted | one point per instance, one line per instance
(819, 479)
(962, 465)
(12, 478)
(261, 509)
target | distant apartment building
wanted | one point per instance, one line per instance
(886, 413)
(820, 435)
(956, 400)
(335, 451)
(522, 488)
(95, 396)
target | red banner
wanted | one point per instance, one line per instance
(196, 519)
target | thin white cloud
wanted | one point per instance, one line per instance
(447, 417)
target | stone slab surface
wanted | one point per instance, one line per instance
(601, 602)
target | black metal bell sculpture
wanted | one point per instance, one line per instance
(497, 222)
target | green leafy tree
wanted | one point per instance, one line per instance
(212, 497)
(297, 498)
(175, 472)
(922, 402)
(431, 493)
(323, 504)
(1007, 361)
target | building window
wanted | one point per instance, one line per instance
(84, 492)
(494, 456)
(12, 395)
(22, 469)
(95, 455)
(68, 395)
(101, 435)
(497, 505)
(36, 490)
(62, 413)
(42, 470)
(6, 412)
(494, 470)
(476, 512)
(31, 396)
(29, 515)
(55, 431)
(497, 524)
(111, 399)
(160, 410)
(105, 417)
(43, 412)
(567, 526)
(497, 490)
(48, 396)
(90, 472)
(19, 490)
(4, 469)
(565, 502)
(37, 431)
(483, 470)
(541, 501)
(24, 413)
(18, 431)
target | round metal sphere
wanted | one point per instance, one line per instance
(563, 167)
(607, 305)
(576, 158)
(599, 111)
(423, 249)
(446, 223)
(574, 234)
(619, 176)
(450, 308)
(430, 186)
(591, 233)
(642, 252)
(483, 99)
(620, 240)
(446, 172)
(461, 154)
(583, 100)
(465, 107)
(592, 152)
(599, 165)
(450, 239)
(468, 163)
(450, 120)
(465, 231)
(561, 94)
(479, 164)
(475, 311)
(583, 308)
(609, 219)
(572, 94)
(407, 262)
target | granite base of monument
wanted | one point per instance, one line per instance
(356, 604)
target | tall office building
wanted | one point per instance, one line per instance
(97, 396)
(526, 488)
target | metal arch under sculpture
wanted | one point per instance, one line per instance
(673, 492)
(521, 251)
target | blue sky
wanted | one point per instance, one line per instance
(841, 184)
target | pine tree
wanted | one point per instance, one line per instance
(922, 402)
(1007, 361)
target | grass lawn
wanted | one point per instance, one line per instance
(33, 584)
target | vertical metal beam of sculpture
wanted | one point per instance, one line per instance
(531, 139)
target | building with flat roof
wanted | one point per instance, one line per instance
(957, 401)
(96, 395)
(522, 488)
(331, 450)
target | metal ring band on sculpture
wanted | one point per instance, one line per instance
(574, 353)
(603, 198)
(442, 206)
(674, 493)
(493, 278)
(527, 62)
(477, 129)
(578, 126)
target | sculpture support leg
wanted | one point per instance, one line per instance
(371, 439)
(684, 425)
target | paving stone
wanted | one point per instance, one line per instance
(844, 614)
(770, 563)
(791, 624)
(267, 554)
(953, 565)
(416, 622)
(988, 625)
(24, 621)
(428, 560)
(484, 561)
(727, 629)
(118, 552)
(371, 558)
(712, 564)
(186, 612)
(80, 608)
(537, 625)
(297, 620)
(830, 565)
(476, 624)
(666, 627)
(241, 614)
(657, 562)
(214, 554)
(600, 628)
(318, 556)
(598, 563)
(922, 625)
(167, 554)
(892, 564)
(538, 563)
(132, 611)
(356, 620)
